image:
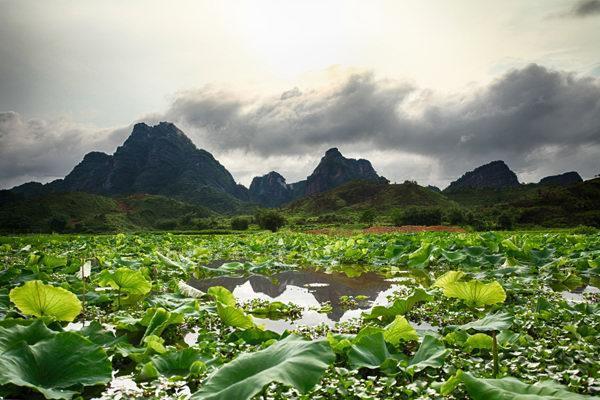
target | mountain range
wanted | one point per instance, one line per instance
(162, 160)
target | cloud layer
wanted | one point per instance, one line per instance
(534, 118)
(586, 8)
(539, 121)
(44, 150)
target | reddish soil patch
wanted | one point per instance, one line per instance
(333, 231)
(413, 228)
(386, 229)
(124, 207)
(138, 196)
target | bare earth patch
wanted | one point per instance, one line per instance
(385, 229)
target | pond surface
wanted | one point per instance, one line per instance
(310, 290)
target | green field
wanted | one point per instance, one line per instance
(291, 315)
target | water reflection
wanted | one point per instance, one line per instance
(309, 290)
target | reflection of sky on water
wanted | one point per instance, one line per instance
(577, 294)
(309, 290)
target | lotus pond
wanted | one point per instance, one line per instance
(292, 315)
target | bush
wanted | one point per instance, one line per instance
(368, 217)
(58, 224)
(166, 224)
(202, 223)
(270, 220)
(239, 224)
(332, 219)
(300, 221)
(505, 221)
(186, 220)
(584, 230)
(455, 216)
(417, 216)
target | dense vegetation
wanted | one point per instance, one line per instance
(359, 202)
(481, 316)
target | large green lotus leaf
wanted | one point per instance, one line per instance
(254, 335)
(96, 333)
(38, 299)
(178, 363)
(368, 351)
(420, 257)
(491, 322)
(291, 361)
(31, 334)
(479, 341)
(55, 365)
(453, 256)
(476, 293)
(53, 261)
(512, 389)
(431, 353)
(222, 295)
(234, 316)
(398, 307)
(126, 280)
(399, 329)
(230, 314)
(157, 319)
(447, 278)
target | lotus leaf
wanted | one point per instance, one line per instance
(292, 361)
(41, 300)
(513, 389)
(56, 365)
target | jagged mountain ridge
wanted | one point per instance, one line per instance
(162, 160)
(564, 179)
(494, 175)
(332, 171)
(158, 159)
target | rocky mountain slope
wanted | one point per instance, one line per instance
(565, 179)
(158, 159)
(270, 190)
(495, 175)
(332, 171)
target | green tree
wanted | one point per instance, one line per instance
(269, 219)
(368, 217)
(415, 215)
(239, 223)
(505, 221)
(58, 223)
(455, 216)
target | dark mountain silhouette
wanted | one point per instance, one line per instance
(158, 159)
(332, 171)
(270, 190)
(162, 162)
(565, 179)
(335, 170)
(495, 175)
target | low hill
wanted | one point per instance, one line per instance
(360, 195)
(85, 212)
(539, 204)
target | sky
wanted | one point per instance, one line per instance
(424, 89)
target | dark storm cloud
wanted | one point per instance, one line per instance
(524, 117)
(39, 150)
(352, 112)
(586, 8)
(538, 120)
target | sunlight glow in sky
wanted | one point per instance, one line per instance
(105, 64)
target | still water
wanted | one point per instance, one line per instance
(310, 290)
